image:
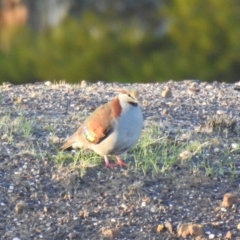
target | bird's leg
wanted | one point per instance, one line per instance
(120, 162)
(108, 164)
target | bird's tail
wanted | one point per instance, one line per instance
(66, 145)
(73, 141)
(69, 143)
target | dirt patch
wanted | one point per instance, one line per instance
(43, 200)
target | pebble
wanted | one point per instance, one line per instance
(84, 84)
(189, 229)
(216, 150)
(167, 92)
(168, 225)
(111, 233)
(211, 236)
(235, 146)
(238, 226)
(209, 87)
(20, 207)
(4, 138)
(160, 228)
(223, 209)
(100, 83)
(55, 139)
(229, 199)
(124, 206)
(185, 155)
(228, 235)
(220, 112)
(6, 85)
(48, 83)
(33, 95)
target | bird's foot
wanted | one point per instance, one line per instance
(108, 164)
(120, 162)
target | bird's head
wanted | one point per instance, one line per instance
(129, 96)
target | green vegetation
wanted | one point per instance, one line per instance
(82, 160)
(184, 39)
(156, 152)
(156, 155)
(10, 127)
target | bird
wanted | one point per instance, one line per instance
(112, 129)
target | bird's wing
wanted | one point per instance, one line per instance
(98, 125)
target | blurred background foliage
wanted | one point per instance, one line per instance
(124, 41)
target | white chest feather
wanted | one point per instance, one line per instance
(130, 126)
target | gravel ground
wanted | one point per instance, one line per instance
(42, 200)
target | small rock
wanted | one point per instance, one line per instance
(100, 83)
(229, 199)
(209, 87)
(84, 214)
(223, 209)
(18, 100)
(235, 146)
(6, 84)
(185, 155)
(145, 103)
(194, 84)
(84, 83)
(167, 92)
(164, 111)
(228, 235)
(16, 238)
(55, 139)
(4, 138)
(211, 236)
(187, 229)
(48, 83)
(216, 150)
(193, 89)
(217, 224)
(124, 206)
(238, 226)
(33, 95)
(169, 226)
(220, 112)
(111, 233)
(20, 207)
(160, 228)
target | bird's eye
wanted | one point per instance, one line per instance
(129, 95)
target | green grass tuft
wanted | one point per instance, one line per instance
(156, 153)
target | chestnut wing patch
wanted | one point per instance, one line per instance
(98, 125)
